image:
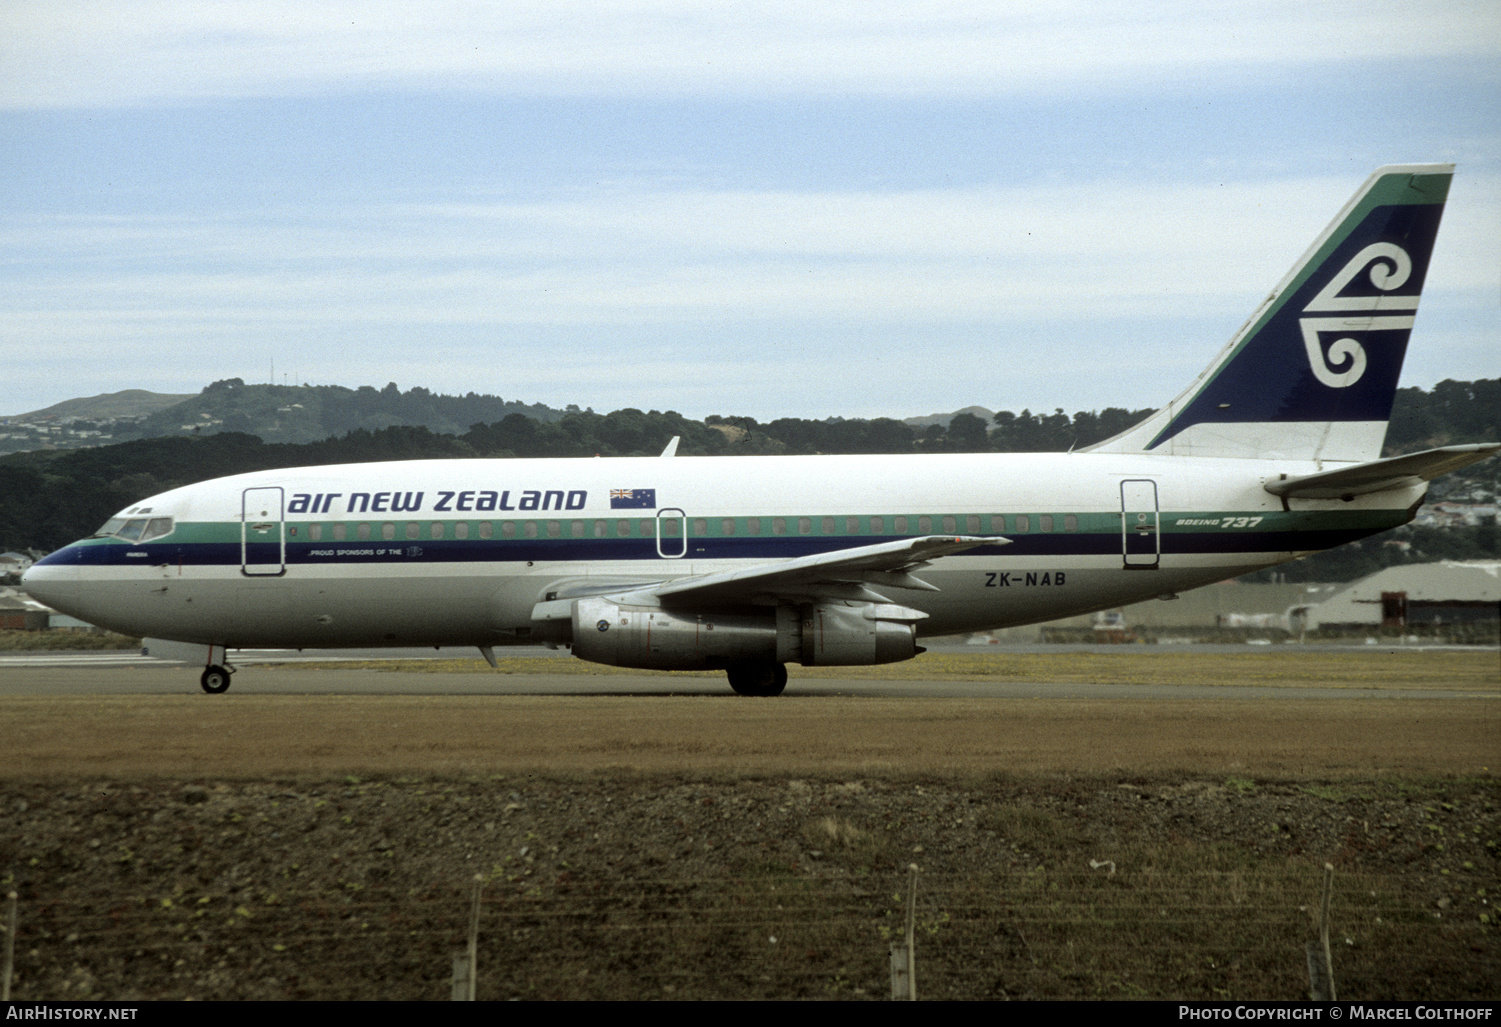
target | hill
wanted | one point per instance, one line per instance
(942, 420)
(311, 413)
(108, 406)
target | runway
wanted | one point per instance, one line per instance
(1280, 711)
(285, 673)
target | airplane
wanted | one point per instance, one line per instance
(745, 564)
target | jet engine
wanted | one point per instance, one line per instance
(830, 633)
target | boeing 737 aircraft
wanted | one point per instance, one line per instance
(747, 564)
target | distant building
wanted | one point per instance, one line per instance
(1225, 611)
(1425, 595)
(1456, 515)
(19, 613)
(14, 563)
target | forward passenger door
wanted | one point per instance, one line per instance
(263, 535)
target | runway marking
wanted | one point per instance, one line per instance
(78, 660)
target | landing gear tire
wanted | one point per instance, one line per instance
(760, 679)
(215, 680)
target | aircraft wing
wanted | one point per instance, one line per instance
(843, 574)
(1395, 472)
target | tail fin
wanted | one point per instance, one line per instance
(1312, 374)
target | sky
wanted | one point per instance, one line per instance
(855, 209)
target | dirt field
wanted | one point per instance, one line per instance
(177, 846)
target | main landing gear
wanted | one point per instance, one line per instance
(215, 679)
(758, 678)
(216, 670)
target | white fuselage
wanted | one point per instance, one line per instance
(460, 552)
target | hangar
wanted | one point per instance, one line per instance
(1462, 599)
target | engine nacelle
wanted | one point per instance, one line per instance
(654, 638)
(858, 634)
(822, 634)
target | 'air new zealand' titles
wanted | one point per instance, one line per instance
(750, 563)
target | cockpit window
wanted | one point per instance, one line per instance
(136, 529)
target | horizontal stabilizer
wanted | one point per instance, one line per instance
(1398, 472)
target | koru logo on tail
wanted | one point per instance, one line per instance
(1390, 268)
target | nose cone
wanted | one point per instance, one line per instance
(53, 580)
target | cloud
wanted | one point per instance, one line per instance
(976, 254)
(101, 53)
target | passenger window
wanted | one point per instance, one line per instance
(461, 529)
(623, 529)
(577, 529)
(1045, 522)
(877, 525)
(362, 531)
(554, 529)
(437, 530)
(753, 525)
(388, 531)
(972, 524)
(924, 525)
(950, 525)
(1023, 522)
(828, 525)
(779, 525)
(700, 527)
(899, 525)
(1070, 522)
(804, 526)
(486, 529)
(852, 525)
(601, 529)
(727, 527)
(315, 532)
(529, 529)
(997, 523)
(670, 527)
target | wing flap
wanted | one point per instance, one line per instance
(1397, 472)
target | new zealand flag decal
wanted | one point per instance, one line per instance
(633, 499)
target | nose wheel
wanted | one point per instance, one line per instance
(215, 679)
